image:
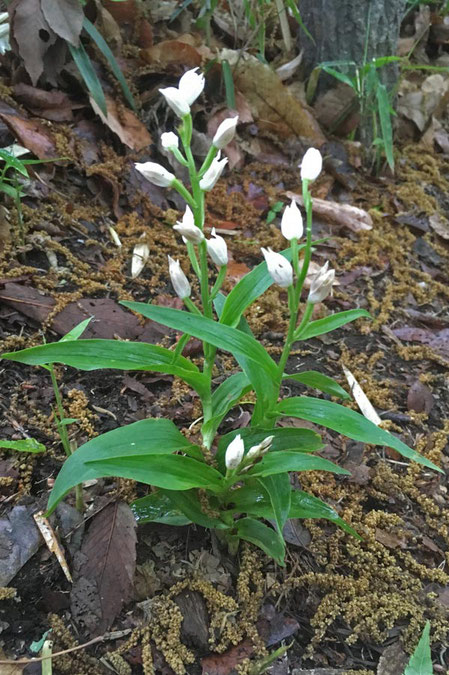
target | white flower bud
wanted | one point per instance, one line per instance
(188, 229)
(234, 453)
(260, 449)
(213, 173)
(225, 132)
(217, 249)
(191, 85)
(176, 101)
(279, 268)
(291, 223)
(155, 173)
(311, 164)
(169, 140)
(321, 284)
(178, 279)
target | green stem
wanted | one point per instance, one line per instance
(191, 306)
(62, 430)
(219, 282)
(179, 156)
(183, 340)
(308, 247)
(304, 321)
(185, 194)
(293, 307)
(193, 259)
(208, 161)
(295, 256)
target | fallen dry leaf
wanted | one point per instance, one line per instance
(31, 36)
(124, 123)
(440, 225)
(420, 398)
(65, 17)
(393, 660)
(51, 105)
(353, 218)
(437, 340)
(139, 258)
(104, 569)
(32, 134)
(52, 542)
(172, 52)
(224, 664)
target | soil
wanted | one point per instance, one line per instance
(341, 606)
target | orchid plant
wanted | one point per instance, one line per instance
(237, 483)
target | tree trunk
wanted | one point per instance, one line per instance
(344, 30)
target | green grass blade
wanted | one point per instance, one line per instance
(93, 84)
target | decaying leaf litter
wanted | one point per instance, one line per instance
(89, 221)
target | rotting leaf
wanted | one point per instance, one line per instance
(104, 569)
(224, 664)
(32, 135)
(31, 36)
(124, 123)
(172, 52)
(420, 398)
(65, 17)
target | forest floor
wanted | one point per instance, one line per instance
(342, 606)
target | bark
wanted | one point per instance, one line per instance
(344, 29)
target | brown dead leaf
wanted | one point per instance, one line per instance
(51, 105)
(420, 398)
(32, 135)
(104, 568)
(5, 230)
(393, 660)
(437, 340)
(237, 270)
(353, 218)
(123, 12)
(270, 101)
(389, 539)
(124, 123)
(440, 225)
(170, 53)
(224, 664)
(31, 36)
(65, 17)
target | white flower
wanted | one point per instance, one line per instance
(217, 249)
(178, 279)
(191, 85)
(169, 140)
(321, 284)
(261, 448)
(177, 102)
(213, 173)
(234, 453)
(155, 173)
(188, 229)
(279, 268)
(225, 132)
(311, 165)
(291, 223)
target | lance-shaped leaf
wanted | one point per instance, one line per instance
(223, 337)
(262, 536)
(315, 380)
(347, 422)
(157, 508)
(187, 503)
(278, 462)
(98, 354)
(139, 451)
(225, 397)
(332, 322)
(279, 491)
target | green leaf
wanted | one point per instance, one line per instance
(76, 331)
(84, 65)
(277, 462)
(98, 354)
(187, 502)
(254, 500)
(339, 76)
(421, 660)
(332, 322)
(383, 106)
(11, 191)
(224, 337)
(24, 445)
(127, 452)
(315, 380)
(279, 492)
(295, 440)
(347, 422)
(225, 397)
(262, 536)
(157, 508)
(107, 53)
(13, 162)
(229, 84)
(247, 290)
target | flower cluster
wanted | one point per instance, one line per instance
(235, 457)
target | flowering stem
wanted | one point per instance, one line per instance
(308, 247)
(218, 284)
(185, 194)
(293, 307)
(193, 259)
(178, 155)
(304, 321)
(183, 340)
(208, 161)
(191, 306)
